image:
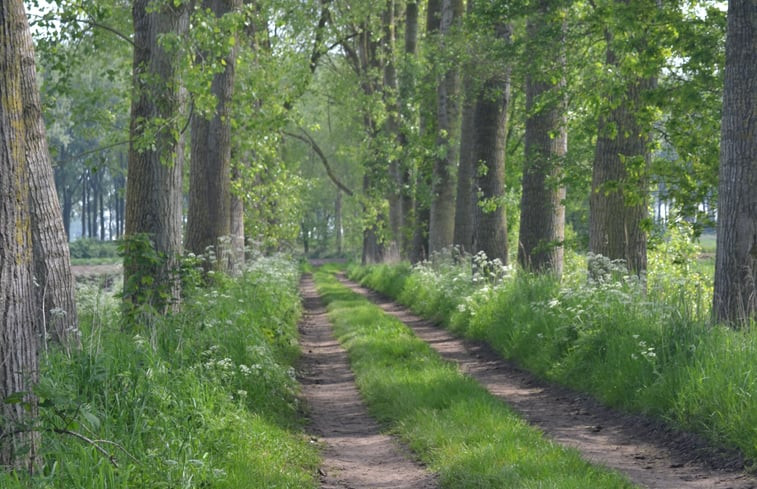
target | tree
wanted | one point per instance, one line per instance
(18, 302)
(442, 212)
(153, 189)
(428, 130)
(52, 262)
(618, 202)
(490, 132)
(465, 199)
(542, 224)
(735, 297)
(209, 214)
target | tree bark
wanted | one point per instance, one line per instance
(617, 206)
(209, 214)
(490, 122)
(465, 200)
(153, 189)
(442, 212)
(392, 128)
(542, 219)
(19, 321)
(338, 222)
(52, 261)
(428, 124)
(735, 297)
(619, 194)
(237, 224)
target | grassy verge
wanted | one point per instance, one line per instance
(203, 399)
(463, 433)
(653, 352)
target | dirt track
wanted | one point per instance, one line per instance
(649, 453)
(354, 452)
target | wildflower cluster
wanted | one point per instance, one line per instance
(451, 280)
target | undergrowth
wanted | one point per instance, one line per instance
(644, 346)
(205, 398)
(463, 433)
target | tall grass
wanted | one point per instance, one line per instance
(205, 398)
(646, 349)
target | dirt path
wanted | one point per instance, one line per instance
(650, 454)
(355, 454)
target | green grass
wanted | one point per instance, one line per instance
(458, 429)
(652, 352)
(202, 399)
(708, 241)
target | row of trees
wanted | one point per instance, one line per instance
(411, 109)
(637, 88)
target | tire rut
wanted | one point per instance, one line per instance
(649, 453)
(355, 454)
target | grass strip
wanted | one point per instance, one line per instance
(471, 439)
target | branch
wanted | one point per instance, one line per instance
(305, 138)
(96, 150)
(123, 36)
(317, 51)
(100, 449)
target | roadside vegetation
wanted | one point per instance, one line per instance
(468, 437)
(646, 346)
(202, 398)
(89, 251)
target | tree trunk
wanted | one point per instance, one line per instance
(735, 298)
(84, 216)
(617, 205)
(153, 189)
(490, 121)
(406, 90)
(465, 200)
(392, 129)
(236, 226)
(619, 194)
(442, 215)
(101, 195)
(542, 219)
(338, 222)
(52, 261)
(209, 215)
(19, 321)
(423, 180)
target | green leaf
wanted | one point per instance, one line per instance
(15, 398)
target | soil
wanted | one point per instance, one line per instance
(95, 270)
(648, 452)
(355, 454)
(102, 276)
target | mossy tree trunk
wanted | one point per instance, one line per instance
(18, 302)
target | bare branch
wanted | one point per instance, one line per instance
(307, 139)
